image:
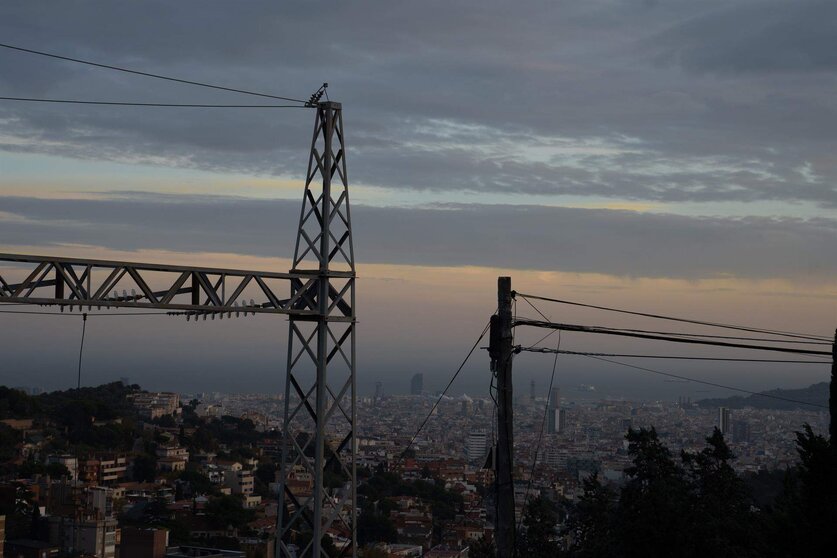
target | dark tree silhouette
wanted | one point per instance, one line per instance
(594, 521)
(804, 521)
(482, 548)
(722, 523)
(653, 507)
(538, 538)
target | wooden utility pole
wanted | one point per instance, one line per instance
(832, 394)
(501, 352)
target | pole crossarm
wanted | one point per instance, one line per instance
(73, 282)
(623, 333)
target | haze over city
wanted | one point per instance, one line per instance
(638, 154)
(376, 279)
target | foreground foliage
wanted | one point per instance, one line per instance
(696, 505)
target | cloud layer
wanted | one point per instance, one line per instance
(643, 100)
(623, 243)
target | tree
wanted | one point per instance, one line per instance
(652, 507)
(374, 526)
(166, 421)
(57, 470)
(145, 468)
(592, 527)
(538, 539)
(199, 482)
(227, 510)
(35, 523)
(482, 548)
(722, 523)
(697, 507)
(803, 521)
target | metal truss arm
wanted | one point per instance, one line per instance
(113, 284)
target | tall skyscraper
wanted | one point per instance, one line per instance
(532, 391)
(723, 420)
(554, 411)
(417, 384)
(379, 392)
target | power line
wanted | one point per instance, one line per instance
(442, 395)
(733, 337)
(148, 74)
(535, 308)
(93, 314)
(674, 339)
(548, 350)
(557, 350)
(133, 104)
(699, 335)
(545, 337)
(704, 382)
(81, 346)
(683, 320)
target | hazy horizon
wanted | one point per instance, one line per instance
(634, 154)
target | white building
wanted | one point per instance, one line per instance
(477, 446)
(239, 482)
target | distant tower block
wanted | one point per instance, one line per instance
(555, 398)
(417, 384)
(554, 412)
(477, 446)
(379, 392)
(532, 391)
(562, 421)
(723, 420)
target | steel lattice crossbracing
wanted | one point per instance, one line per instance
(84, 283)
(319, 437)
(318, 476)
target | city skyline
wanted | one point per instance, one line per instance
(418, 280)
(710, 201)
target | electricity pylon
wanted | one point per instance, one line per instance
(319, 427)
(321, 349)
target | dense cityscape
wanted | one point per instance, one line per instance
(282, 225)
(118, 471)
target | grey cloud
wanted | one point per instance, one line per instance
(575, 71)
(523, 237)
(756, 37)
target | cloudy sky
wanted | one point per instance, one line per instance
(666, 156)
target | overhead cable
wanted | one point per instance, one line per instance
(704, 382)
(674, 339)
(133, 104)
(444, 392)
(682, 320)
(548, 350)
(91, 314)
(148, 74)
(81, 347)
(557, 351)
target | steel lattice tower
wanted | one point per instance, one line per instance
(319, 417)
(319, 427)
